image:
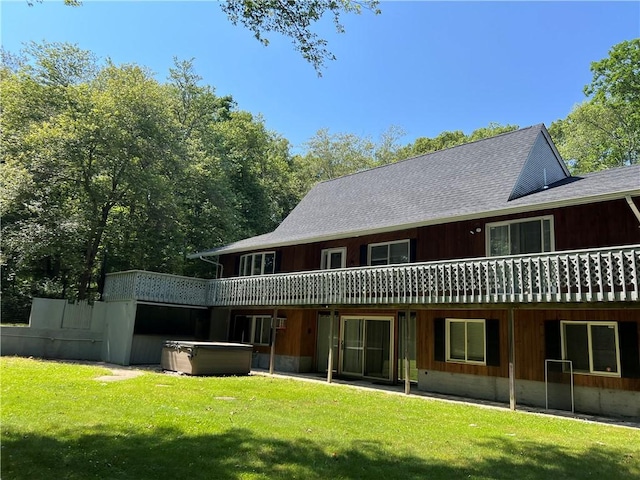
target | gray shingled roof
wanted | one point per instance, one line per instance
(473, 180)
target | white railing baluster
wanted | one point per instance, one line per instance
(608, 274)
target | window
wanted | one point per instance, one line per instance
(591, 346)
(389, 253)
(257, 263)
(465, 340)
(520, 237)
(333, 258)
(261, 330)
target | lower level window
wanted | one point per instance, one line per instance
(465, 340)
(261, 330)
(592, 347)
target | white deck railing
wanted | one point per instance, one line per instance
(156, 287)
(596, 275)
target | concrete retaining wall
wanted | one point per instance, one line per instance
(611, 403)
(283, 363)
(59, 330)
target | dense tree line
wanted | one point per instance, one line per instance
(604, 130)
(105, 168)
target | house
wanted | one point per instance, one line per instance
(485, 270)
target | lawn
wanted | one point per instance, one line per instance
(60, 422)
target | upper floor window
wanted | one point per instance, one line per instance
(257, 263)
(389, 253)
(520, 236)
(592, 347)
(465, 340)
(333, 258)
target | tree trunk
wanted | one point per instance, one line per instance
(90, 255)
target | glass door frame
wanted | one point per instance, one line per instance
(390, 319)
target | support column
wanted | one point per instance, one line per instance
(407, 379)
(330, 361)
(272, 357)
(512, 356)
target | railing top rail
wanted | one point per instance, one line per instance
(147, 272)
(445, 262)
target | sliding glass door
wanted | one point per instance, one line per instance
(366, 347)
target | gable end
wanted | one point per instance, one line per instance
(542, 168)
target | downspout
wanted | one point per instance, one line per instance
(217, 264)
(633, 207)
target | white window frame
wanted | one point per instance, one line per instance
(388, 244)
(326, 255)
(261, 322)
(589, 324)
(552, 242)
(253, 258)
(466, 321)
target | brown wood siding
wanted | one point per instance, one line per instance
(425, 342)
(300, 336)
(603, 224)
(297, 339)
(451, 240)
(530, 344)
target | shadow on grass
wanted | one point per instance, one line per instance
(237, 453)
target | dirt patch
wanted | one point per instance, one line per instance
(119, 374)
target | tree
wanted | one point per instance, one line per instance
(333, 155)
(617, 77)
(604, 131)
(450, 139)
(102, 147)
(293, 19)
(106, 169)
(597, 136)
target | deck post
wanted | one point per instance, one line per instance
(407, 379)
(512, 373)
(330, 360)
(272, 356)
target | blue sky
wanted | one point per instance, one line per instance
(426, 67)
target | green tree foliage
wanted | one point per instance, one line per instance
(604, 131)
(332, 155)
(105, 166)
(449, 139)
(294, 19)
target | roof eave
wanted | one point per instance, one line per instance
(459, 218)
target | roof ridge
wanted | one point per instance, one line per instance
(539, 125)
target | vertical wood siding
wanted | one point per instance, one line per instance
(530, 344)
(595, 225)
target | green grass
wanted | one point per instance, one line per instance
(59, 422)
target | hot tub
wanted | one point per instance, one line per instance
(206, 358)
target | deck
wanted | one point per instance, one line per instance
(594, 275)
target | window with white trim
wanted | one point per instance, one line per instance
(333, 258)
(261, 330)
(592, 347)
(389, 253)
(529, 235)
(465, 340)
(257, 264)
